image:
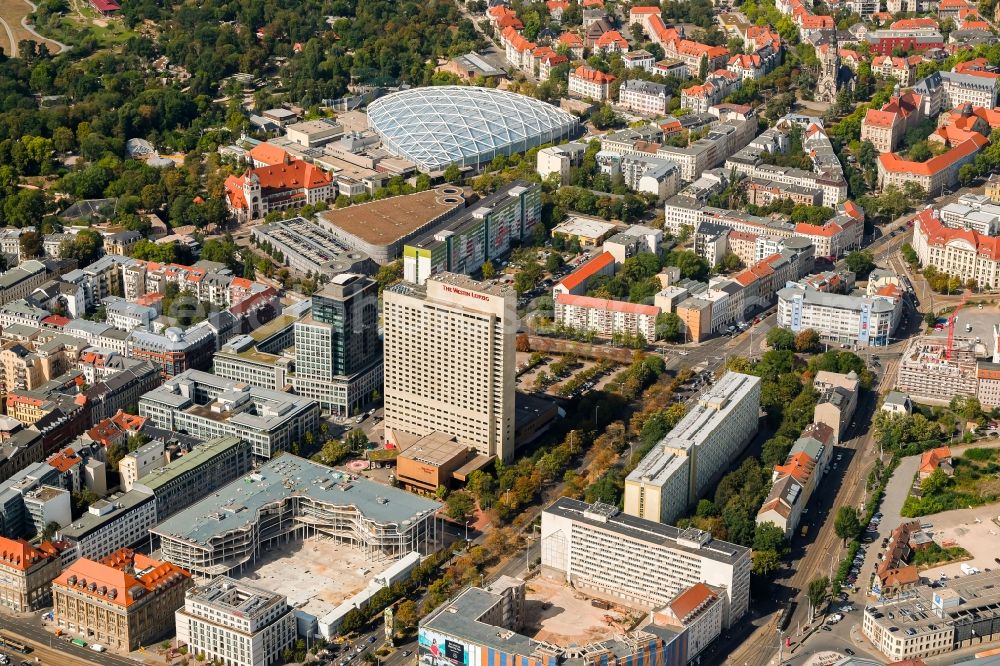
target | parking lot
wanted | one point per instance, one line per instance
(973, 321)
(972, 529)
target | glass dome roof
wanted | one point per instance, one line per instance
(443, 125)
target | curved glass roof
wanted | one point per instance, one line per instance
(443, 125)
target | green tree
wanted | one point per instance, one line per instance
(452, 174)
(460, 505)
(780, 339)
(860, 262)
(669, 326)
(50, 530)
(847, 523)
(769, 536)
(30, 243)
(357, 440)
(817, 593)
(407, 614)
(764, 562)
(489, 271)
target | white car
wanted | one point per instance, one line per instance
(835, 618)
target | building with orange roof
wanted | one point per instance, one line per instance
(611, 42)
(887, 126)
(556, 8)
(914, 23)
(549, 61)
(891, 67)
(573, 42)
(518, 50)
(700, 611)
(933, 460)
(267, 154)
(577, 281)
(951, 9)
(936, 173)
(606, 318)
(26, 574)
(794, 482)
(589, 83)
(977, 67)
(122, 602)
(289, 184)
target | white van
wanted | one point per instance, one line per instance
(97, 647)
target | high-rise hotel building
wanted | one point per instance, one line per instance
(449, 361)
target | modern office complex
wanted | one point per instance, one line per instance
(110, 524)
(594, 548)
(289, 498)
(120, 602)
(198, 472)
(958, 613)
(201, 404)
(235, 623)
(443, 125)
(338, 354)
(683, 465)
(449, 361)
(485, 231)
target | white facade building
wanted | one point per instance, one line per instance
(236, 623)
(643, 97)
(684, 464)
(839, 318)
(141, 462)
(606, 317)
(601, 551)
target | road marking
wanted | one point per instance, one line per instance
(10, 36)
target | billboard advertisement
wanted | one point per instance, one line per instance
(437, 650)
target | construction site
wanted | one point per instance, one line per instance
(933, 369)
(557, 614)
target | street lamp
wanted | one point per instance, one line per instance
(467, 531)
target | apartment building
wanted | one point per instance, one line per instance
(26, 574)
(651, 175)
(607, 318)
(19, 450)
(589, 83)
(121, 602)
(236, 623)
(21, 280)
(838, 398)
(126, 315)
(639, 59)
(338, 354)
(827, 174)
(860, 321)
(940, 171)
(141, 462)
(643, 96)
(560, 159)
(598, 550)
(195, 474)
(683, 465)
(718, 85)
(449, 361)
(207, 406)
(175, 350)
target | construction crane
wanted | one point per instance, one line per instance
(951, 324)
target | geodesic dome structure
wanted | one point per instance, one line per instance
(444, 125)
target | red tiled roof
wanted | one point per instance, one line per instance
(108, 581)
(55, 320)
(595, 75)
(913, 23)
(607, 304)
(645, 10)
(292, 175)
(799, 466)
(64, 460)
(691, 599)
(105, 5)
(938, 234)
(968, 146)
(570, 39)
(517, 41)
(588, 270)
(556, 4)
(931, 460)
(611, 38)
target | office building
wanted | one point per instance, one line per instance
(195, 474)
(206, 406)
(957, 614)
(175, 350)
(338, 354)
(292, 498)
(110, 524)
(236, 623)
(683, 465)
(121, 602)
(26, 574)
(449, 361)
(965, 253)
(598, 550)
(860, 321)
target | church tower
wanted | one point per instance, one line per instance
(829, 72)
